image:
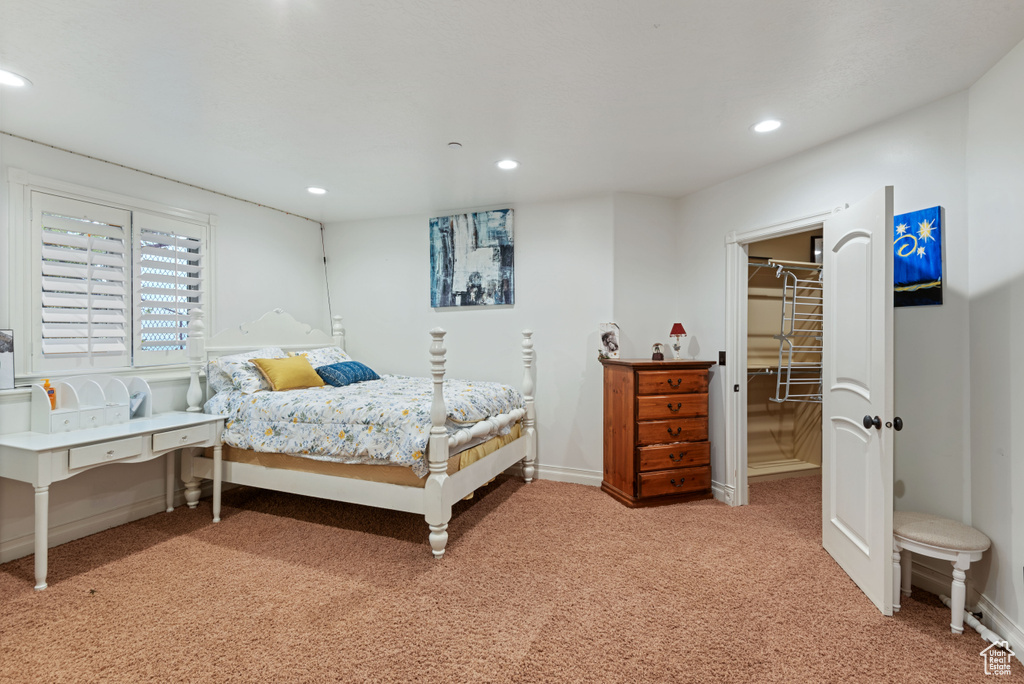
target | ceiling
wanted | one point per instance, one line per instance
(262, 98)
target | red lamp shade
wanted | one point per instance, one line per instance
(677, 329)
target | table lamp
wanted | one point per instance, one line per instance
(678, 332)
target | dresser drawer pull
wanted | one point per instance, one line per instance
(110, 453)
(678, 431)
(674, 458)
(184, 438)
(681, 481)
(676, 409)
(678, 382)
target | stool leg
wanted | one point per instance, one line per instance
(896, 575)
(958, 593)
(908, 559)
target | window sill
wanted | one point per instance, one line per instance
(159, 374)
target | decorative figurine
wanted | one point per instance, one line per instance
(659, 354)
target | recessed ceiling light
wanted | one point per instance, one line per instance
(508, 164)
(767, 125)
(12, 79)
(316, 191)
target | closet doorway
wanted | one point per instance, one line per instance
(784, 354)
(778, 452)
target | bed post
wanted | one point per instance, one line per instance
(338, 332)
(529, 422)
(437, 512)
(196, 349)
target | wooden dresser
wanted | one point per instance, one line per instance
(656, 447)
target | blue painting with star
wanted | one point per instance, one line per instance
(917, 261)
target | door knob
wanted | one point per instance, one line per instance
(897, 423)
(875, 422)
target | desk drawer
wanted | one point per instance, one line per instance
(63, 421)
(92, 417)
(174, 439)
(678, 481)
(107, 452)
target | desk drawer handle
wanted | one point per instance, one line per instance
(681, 481)
(678, 382)
(676, 409)
(678, 432)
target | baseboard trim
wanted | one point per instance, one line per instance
(939, 583)
(573, 475)
(996, 620)
(24, 545)
(725, 493)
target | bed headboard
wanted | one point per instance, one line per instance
(275, 328)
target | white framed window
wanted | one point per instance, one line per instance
(168, 279)
(100, 281)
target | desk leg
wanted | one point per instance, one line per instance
(42, 535)
(216, 482)
(169, 481)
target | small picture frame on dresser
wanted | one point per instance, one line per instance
(6, 359)
(609, 341)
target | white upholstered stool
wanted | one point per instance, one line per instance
(935, 537)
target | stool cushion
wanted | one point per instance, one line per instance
(937, 531)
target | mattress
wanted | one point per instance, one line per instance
(379, 422)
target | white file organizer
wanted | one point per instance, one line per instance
(89, 401)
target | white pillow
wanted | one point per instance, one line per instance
(235, 370)
(324, 356)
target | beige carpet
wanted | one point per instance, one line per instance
(545, 582)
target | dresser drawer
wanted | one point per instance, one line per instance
(678, 481)
(80, 457)
(671, 382)
(683, 454)
(671, 406)
(180, 438)
(677, 430)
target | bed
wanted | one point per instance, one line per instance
(463, 452)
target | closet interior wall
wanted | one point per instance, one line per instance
(783, 439)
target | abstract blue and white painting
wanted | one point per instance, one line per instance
(917, 262)
(472, 259)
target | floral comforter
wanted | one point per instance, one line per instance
(380, 421)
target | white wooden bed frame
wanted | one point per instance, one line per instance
(434, 501)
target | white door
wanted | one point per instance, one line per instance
(857, 388)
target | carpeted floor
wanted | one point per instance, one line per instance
(546, 582)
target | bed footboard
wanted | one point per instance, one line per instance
(438, 507)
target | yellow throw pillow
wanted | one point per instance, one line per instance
(290, 373)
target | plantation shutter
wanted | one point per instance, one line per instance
(168, 271)
(82, 286)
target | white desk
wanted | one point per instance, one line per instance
(41, 459)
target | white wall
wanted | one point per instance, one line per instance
(645, 301)
(922, 154)
(380, 284)
(263, 259)
(995, 181)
